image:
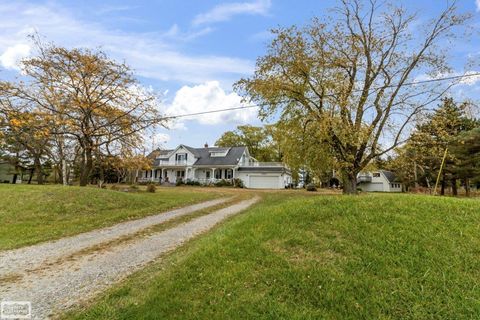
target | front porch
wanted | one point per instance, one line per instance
(203, 175)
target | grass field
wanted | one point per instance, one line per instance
(31, 214)
(326, 257)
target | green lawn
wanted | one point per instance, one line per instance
(325, 257)
(31, 214)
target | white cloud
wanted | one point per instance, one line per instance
(472, 77)
(468, 78)
(161, 138)
(152, 55)
(12, 55)
(207, 97)
(478, 5)
(224, 12)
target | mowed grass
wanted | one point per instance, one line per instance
(30, 214)
(326, 257)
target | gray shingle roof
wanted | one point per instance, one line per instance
(204, 159)
(233, 156)
(158, 153)
(391, 177)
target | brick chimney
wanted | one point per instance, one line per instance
(206, 145)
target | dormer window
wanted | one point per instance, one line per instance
(181, 158)
(376, 174)
(218, 154)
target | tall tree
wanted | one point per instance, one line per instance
(26, 132)
(431, 137)
(92, 98)
(466, 150)
(298, 140)
(258, 140)
(351, 74)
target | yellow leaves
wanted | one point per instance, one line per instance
(15, 122)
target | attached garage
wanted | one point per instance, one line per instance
(264, 177)
(373, 187)
(264, 182)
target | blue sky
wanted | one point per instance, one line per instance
(189, 51)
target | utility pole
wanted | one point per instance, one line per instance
(440, 171)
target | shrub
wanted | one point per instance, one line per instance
(151, 188)
(311, 187)
(179, 182)
(114, 187)
(223, 183)
(238, 183)
(192, 183)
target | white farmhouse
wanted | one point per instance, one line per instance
(379, 181)
(210, 164)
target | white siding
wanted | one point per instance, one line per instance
(257, 180)
(190, 157)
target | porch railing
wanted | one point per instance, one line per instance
(262, 164)
(364, 178)
(172, 163)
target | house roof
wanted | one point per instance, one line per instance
(159, 154)
(205, 159)
(231, 158)
(391, 177)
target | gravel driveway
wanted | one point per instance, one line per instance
(62, 285)
(21, 260)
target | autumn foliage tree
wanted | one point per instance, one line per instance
(352, 74)
(259, 141)
(91, 98)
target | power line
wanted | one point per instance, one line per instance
(357, 90)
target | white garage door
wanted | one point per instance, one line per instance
(264, 182)
(375, 187)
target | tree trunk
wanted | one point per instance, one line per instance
(64, 172)
(86, 166)
(349, 182)
(101, 181)
(31, 176)
(454, 187)
(467, 187)
(15, 176)
(38, 170)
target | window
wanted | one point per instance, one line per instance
(181, 157)
(218, 154)
(218, 174)
(228, 174)
(376, 174)
(181, 174)
(207, 174)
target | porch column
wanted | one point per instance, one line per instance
(193, 173)
(151, 175)
(213, 174)
(163, 175)
(233, 173)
